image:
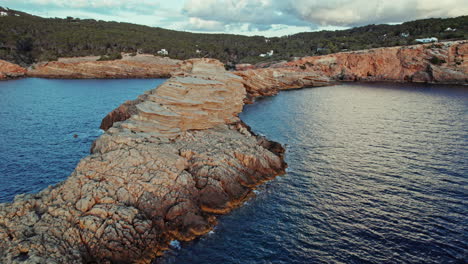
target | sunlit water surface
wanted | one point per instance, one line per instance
(377, 174)
(38, 121)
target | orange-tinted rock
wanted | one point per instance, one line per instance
(244, 67)
(139, 66)
(203, 95)
(9, 70)
(398, 64)
(267, 82)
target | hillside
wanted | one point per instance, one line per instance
(25, 39)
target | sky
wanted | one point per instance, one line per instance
(247, 17)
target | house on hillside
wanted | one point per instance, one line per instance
(2, 13)
(163, 52)
(268, 54)
(427, 40)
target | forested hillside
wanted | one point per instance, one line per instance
(25, 39)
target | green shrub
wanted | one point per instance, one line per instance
(436, 61)
(113, 56)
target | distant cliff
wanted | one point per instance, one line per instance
(137, 66)
(445, 62)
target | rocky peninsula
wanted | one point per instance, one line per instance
(180, 158)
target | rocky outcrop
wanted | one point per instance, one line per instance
(10, 71)
(445, 62)
(180, 158)
(267, 82)
(139, 66)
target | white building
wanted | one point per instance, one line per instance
(268, 54)
(405, 35)
(2, 13)
(450, 29)
(427, 40)
(163, 52)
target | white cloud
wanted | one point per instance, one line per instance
(361, 12)
(315, 13)
(205, 25)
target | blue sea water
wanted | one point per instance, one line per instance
(378, 173)
(38, 121)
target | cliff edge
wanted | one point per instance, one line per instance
(138, 66)
(445, 62)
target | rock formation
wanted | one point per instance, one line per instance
(174, 159)
(139, 66)
(267, 82)
(445, 62)
(9, 70)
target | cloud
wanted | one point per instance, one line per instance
(205, 25)
(314, 13)
(362, 12)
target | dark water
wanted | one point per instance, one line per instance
(38, 119)
(377, 174)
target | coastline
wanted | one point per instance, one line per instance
(440, 63)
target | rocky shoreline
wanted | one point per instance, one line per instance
(173, 159)
(444, 62)
(11, 71)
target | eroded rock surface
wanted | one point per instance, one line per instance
(10, 71)
(139, 66)
(445, 62)
(164, 173)
(269, 81)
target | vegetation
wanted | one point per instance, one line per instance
(436, 61)
(25, 39)
(113, 56)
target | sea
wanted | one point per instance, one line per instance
(378, 173)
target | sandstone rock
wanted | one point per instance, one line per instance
(396, 64)
(139, 66)
(244, 67)
(9, 70)
(266, 82)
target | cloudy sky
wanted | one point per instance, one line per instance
(248, 17)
